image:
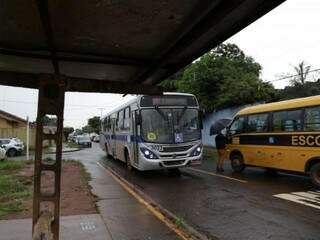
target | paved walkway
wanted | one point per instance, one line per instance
(81, 227)
(121, 216)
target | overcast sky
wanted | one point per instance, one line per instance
(278, 41)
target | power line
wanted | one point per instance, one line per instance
(291, 76)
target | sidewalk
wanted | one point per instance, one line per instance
(81, 227)
(121, 216)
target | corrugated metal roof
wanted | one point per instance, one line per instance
(114, 45)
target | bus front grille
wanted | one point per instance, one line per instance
(172, 163)
(177, 149)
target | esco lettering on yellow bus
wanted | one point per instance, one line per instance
(310, 140)
(302, 140)
(305, 140)
(294, 141)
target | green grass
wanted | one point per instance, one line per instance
(12, 165)
(72, 145)
(210, 153)
(181, 224)
(13, 189)
(7, 208)
(83, 170)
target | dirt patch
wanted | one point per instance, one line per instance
(76, 197)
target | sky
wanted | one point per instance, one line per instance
(278, 41)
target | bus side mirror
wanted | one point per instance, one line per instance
(227, 131)
(138, 118)
(201, 114)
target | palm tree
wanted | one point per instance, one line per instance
(302, 72)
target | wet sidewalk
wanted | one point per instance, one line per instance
(124, 216)
(121, 216)
(80, 227)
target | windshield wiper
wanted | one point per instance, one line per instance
(161, 113)
(182, 113)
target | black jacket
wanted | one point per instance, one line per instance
(221, 141)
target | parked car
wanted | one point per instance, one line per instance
(92, 136)
(13, 146)
(84, 141)
(96, 139)
(2, 153)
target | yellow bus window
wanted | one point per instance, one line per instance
(287, 121)
(312, 119)
(258, 123)
(237, 126)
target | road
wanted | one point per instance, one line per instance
(252, 205)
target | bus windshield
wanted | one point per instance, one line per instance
(161, 125)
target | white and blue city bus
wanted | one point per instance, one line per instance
(154, 132)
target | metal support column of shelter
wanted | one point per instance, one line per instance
(50, 102)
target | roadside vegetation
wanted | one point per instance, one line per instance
(209, 153)
(14, 188)
(217, 78)
(72, 145)
(181, 224)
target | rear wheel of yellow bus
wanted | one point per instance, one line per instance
(315, 174)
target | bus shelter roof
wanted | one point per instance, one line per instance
(122, 46)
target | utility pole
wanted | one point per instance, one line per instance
(28, 137)
(101, 110)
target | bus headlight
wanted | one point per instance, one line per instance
(148, 153)
(196, 151)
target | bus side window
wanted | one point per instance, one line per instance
(120, 119)
(258, 123)
(105, 124)
(287, 121)
(312, 119)
(237, 126)
(127, 118)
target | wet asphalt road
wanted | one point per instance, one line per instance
(226, 208)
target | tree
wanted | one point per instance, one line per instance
(302, 72)
(49, 120)
(67, 131)
(170, 84)
(299, 90)
(94, 125)
(225, 77)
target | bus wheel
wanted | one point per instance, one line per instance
(128, 161)
(315, 174)
(237, 163)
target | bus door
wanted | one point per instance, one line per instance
(113, 137)
(135, 122)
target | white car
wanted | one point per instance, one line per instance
(2, 154)
(13, 146)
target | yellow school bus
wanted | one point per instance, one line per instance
(278, 136)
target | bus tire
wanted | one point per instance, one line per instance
(315, 174)
(237, 163)
(128, 160)
(107, 150)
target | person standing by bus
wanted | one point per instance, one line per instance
(221, 142)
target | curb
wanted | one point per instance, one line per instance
(67, 151)
(190, 230)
